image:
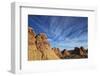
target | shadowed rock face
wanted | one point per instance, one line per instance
(83, 52)
(65, 53)
(38, 47)
(77, 53)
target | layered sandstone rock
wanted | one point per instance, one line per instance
(58, 52)
(44, 47)
(65, 53)
(83, 52)
(33, 54)
(78, 53)
(38, 47)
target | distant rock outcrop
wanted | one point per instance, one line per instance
(83, 52)
(38, 47)
(78, 53)
(65, 53)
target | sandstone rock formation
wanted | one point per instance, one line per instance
(78, 53)
(38, 47)
(58, 52)
(83, 52)
(65, 53)
(33, 54)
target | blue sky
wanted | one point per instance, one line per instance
(64, 32)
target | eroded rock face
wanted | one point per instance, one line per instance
(83, 52)
(44, 47)
(65, 53)
(58, 52)
(31, 36)
(80, 51)
(76, 53)
(42, 43)
(33, 54)
(38, 47)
